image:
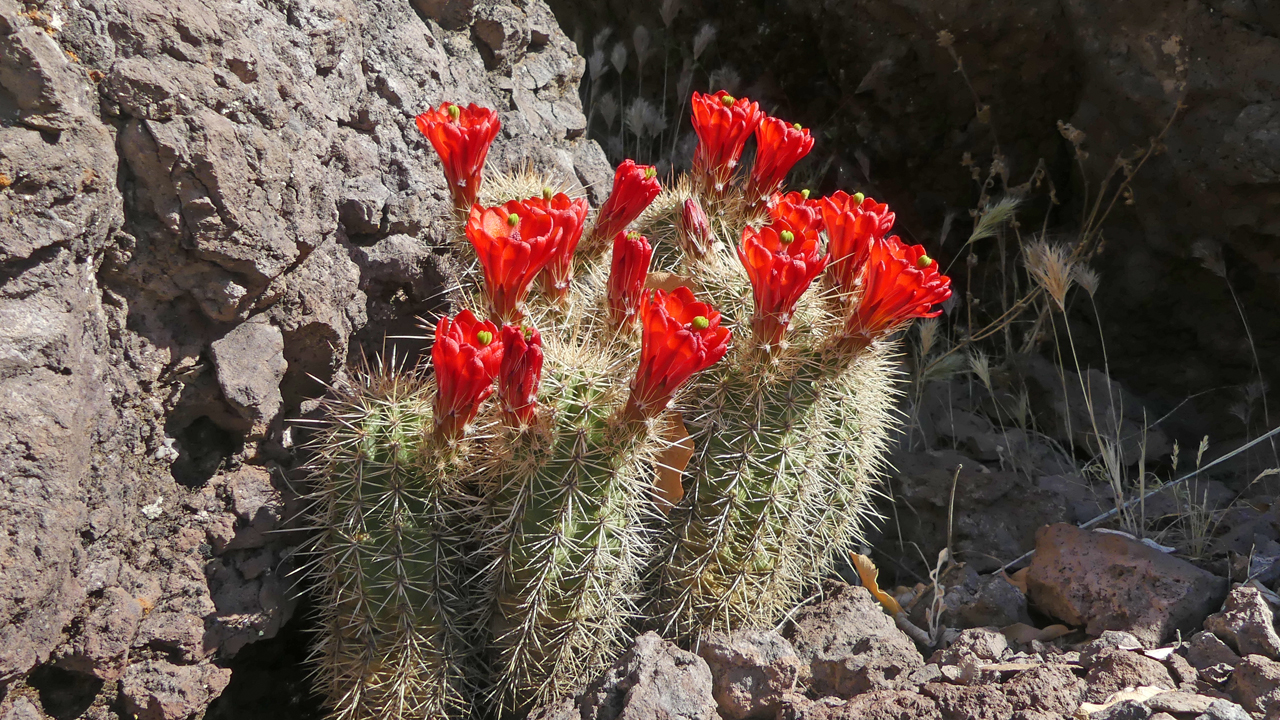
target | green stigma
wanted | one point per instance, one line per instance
(859, 197)
(454, 111)
(649, 172)
(485, 337)
(728, 100)
(924, 262)
(512, 219)
(787, 237)
(797, 126)
(805, 193)
(701, 322)
(528, 334)
(633, 235)
(547, 193)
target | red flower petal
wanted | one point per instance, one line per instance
(466, 356)
(901, 283)
(680, 337)
(520, 374)
(779, 146)
(627, 273)
(461, 136)
(513, 242)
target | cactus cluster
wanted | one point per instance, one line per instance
(481, 556)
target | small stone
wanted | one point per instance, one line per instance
(1246, 623)
(891, 705)
(1050, 689)
(982, 702)
(986, 645)
(1114, 639)
(250, 364)
(653, 679)
(751, 670)
(1179, 702)
(1204, 649)
(1256, 684)
(1123, 710)
(1224, 710)
(1114, 670)
(851, 646)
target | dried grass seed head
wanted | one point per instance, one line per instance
(1052, 269)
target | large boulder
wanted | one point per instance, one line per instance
(208, 209)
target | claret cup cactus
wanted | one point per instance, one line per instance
(492, 525)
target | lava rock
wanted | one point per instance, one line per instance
(1180, 703)
(157, 690)
(1052, 689)
(1109, 582)
(751, 670)
(982, 702)
(1246, 623)
(850, 645)
(984, 645)
(1256, 684)
(1109, 639)
(1123, 710)
(1205, 649)
(1114, 670)
(653, 679)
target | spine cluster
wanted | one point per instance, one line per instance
(491, 525)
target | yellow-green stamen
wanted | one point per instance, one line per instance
(485, 337)
(701, 322)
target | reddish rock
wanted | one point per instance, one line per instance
(1246, 623)
(1052, 689)
(1115, 670)
(1105, 581)
(891, 705)
(981, 702)
(156, 690)
(851, 646)
(653, 679)
(751, 671)
(1256, 685)
(1205, 650)
(983, 645)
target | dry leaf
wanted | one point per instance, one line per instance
(669, 488)
(1053, 632)
(868, 573)
(1019, 579)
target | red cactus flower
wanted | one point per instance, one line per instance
(634, 187)
(796, 208)
(520, 374)
(513, 242)
(779, 146)
(466, 356)
(681, 336)
(901, 283)
(852, 222)
(695, 229)
(723, 124)
(567, 218)
(631, 255)
(781, 259)
(461, 136)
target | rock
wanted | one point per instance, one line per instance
(157, 690)
(969, 703)
(1123, 710)
(1114, 670)
(751, 670)
(891, 705)
(1224, 710)
(1052, 689)
(1256, 684)
(1180, 703)
(22, 709)
(995, 520)
(107, 634)
(1109, 639)
(1108, 582)
(182, 185)
(990, 600)
(850, 645)
(1182, 671)
(653, 679)
(984, 645)
(250, 362)
(1246, 623)
(1205, 649)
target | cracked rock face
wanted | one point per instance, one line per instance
(210, 209)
